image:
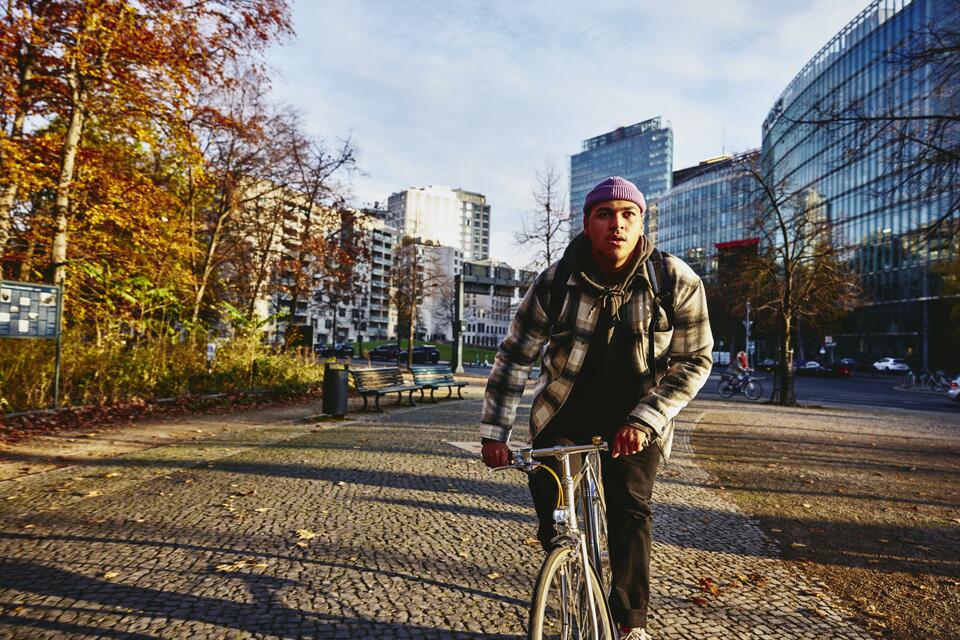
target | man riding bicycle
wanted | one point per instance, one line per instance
(627, 349)
(740, 367)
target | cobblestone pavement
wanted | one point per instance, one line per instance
(371, 528)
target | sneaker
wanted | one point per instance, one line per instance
(636, 633)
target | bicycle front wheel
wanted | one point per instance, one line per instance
(753, 390)
(563, 607)
(726, 388)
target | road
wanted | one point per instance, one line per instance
(857, 391)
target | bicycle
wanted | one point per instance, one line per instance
(749, 386)
(569, 599)
(938, 381)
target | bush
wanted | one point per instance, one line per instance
(112, 368)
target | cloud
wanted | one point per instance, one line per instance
(478, 95)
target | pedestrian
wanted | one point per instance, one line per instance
(600, 376)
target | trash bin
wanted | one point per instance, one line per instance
(335, 389)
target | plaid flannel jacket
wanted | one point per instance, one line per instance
(683, 351)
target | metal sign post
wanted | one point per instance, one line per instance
(457, 356)
(33, 312)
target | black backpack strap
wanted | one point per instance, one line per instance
(665, 293)
(662, 290)
(558, 292)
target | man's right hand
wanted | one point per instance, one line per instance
(495, 454)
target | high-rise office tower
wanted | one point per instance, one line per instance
(642, 153)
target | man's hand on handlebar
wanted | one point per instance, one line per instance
(495, 454)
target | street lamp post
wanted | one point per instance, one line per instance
(746, 326)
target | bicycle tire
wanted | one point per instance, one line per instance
(753, 390)
(559, 604)
(726, 388)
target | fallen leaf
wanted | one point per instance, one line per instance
(29, 526)
(305, 534)
(697, 600)
(110, 574)
(806, 505)
(532, 542)
(262, 509)
(797, 545)
(494, 575)
(302, 544)
(92, 494)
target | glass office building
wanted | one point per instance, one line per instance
(883, 223)
(709, 205)
(642, 153)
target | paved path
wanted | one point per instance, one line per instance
(374, 528)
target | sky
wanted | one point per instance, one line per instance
(483, 95)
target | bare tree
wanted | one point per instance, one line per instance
(798, 271)
(412, 275)
(335, 261)
(544, 230)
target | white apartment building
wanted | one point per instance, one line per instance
(440, 265)
(370, 316)
(451, 217)
(491, 292)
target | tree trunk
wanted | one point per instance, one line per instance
(210, 258)
(8, 193)
(413, 313)
(785, 394)
(68, 156)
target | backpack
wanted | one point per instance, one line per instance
(660, 284)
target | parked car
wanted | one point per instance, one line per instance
(814, 368)
(891, 365)
(339, 350)
(954, 390)
(423, 354)
(767, 365)
(384, 352)
(810, 368)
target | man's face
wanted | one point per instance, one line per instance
(614, 228)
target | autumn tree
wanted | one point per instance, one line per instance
(115, 63)
(799, 270)
(544, 230)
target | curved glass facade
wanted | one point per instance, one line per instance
(710, 206)
(883, 222)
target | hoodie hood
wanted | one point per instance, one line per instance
(611, 296)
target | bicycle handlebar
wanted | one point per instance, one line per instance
(523, 458)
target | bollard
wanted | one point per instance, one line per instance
(335, 389)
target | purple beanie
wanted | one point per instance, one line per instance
(614, 188)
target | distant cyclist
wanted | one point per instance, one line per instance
(740, 367)
(614, 367)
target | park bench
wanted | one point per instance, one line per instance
(436, 376)
(380, 382)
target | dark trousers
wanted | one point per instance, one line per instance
(628, 486)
